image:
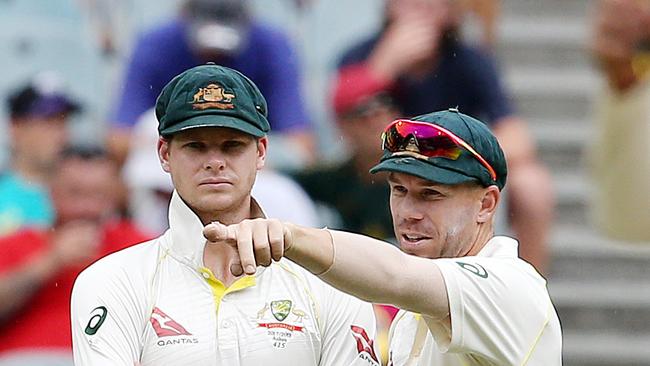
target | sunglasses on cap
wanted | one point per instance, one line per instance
(429, 141)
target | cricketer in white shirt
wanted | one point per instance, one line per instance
(501, 314)
(156, 304)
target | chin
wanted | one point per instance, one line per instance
(216, 204)
(423, 249)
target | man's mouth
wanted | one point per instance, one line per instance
(414, 238)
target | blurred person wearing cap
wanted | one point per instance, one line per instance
(359, 199)
(38, 113)
(619, 155)
(174, 300)
(419, 57)
(467, 298)
(224, 32)
(39, 265)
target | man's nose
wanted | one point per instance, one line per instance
(214, 160)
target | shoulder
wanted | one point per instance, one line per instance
(131, 268)
(494, 278)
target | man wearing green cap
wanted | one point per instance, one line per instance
(174, 300)
(467, 298)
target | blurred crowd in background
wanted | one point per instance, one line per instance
(80, 176)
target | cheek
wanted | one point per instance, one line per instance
(462, 221)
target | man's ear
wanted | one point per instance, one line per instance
(489, 201)
(262, 144)
(163, 153)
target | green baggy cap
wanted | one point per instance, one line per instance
(212, 96)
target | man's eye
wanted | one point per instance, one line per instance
(232, 144)
(431, 193)
(398, 190)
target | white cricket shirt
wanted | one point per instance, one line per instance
(156, 304)
(501, 314)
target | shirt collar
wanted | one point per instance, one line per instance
(500, 246)
(186, 231)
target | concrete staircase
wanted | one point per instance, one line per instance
(600, 287)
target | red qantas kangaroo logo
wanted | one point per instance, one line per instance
(166, 326)
(364, 343)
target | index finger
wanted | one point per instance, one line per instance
(245, 247)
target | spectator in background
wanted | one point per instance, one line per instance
(359, 198)
(38, 112)
(224, 32)
(620, 153)
(149, 187)
(418, 57)
(38, 266)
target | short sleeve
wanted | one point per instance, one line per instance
(498, 308)
(108, 316)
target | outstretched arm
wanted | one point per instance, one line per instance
(367, 268)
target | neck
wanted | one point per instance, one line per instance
(484, 233)
(218, 258)
(29, 170)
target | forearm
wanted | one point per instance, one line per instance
(18, 287)
(370, 269)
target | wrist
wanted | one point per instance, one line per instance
(311, 248)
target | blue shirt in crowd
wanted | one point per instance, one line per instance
(464, 77)
(267, 58)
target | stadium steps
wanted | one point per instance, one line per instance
(542, 41)
(599, 286)
(553, 91)
(606, 350)
(600, 289)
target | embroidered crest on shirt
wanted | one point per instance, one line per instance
(283, 321)
(213, 95)
(280, 309)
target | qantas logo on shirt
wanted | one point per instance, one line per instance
(364, 344)
(166, 326)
